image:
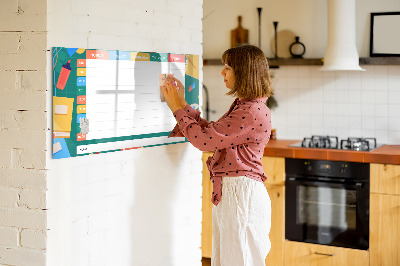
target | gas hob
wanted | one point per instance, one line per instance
(332, 142)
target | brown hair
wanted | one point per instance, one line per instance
(250, 66)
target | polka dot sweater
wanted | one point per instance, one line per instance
(238, 139)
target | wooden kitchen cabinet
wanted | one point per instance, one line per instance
(274, 168)
(305, 254)
(384, 236)
(277, 233)
(206, 225)
(385, 178)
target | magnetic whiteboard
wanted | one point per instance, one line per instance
(108, 100)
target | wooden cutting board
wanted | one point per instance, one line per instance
(239, 35)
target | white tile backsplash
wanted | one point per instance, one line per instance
(329, 109)
(292, 82)
(342, 109)
(380, 71)
(354, 132)
(342, 123)
(394, 110)
(394, 97)
(382, 136)
(355, 96)
(304, 72)
(355, 123)
(381, 97)
(343, 103)
(381, 110)
(367, 122)
(304, 82)
(394, 137)
(367, 110)
(393, 71)
(381, 122)
(291, 71)
(381, 84)
(367, 97)
(342, 96)
(355, 109)
(394, 123)
(394, 83)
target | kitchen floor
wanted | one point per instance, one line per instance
(206, 261)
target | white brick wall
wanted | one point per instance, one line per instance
(138, 207)
(9, 197)
(100, 207)
(34, 239)
(23, 132)
(9, 237)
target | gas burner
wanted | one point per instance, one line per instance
(327, 142)
(358, 144)
(332, 142)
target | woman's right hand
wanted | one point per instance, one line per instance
(181, 91)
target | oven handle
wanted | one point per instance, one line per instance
(357, 185)
(324, 254)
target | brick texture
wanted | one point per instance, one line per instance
(33, 199)
(23, 218)
(99, 189)
(17, 256)
(9, 237)
(23, 126)
(33, 239)
(8, 197)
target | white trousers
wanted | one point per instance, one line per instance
(241, 223)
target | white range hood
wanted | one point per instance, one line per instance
(341, 51)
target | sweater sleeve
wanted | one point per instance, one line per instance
(193, 113)
(231, 130)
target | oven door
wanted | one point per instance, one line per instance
(327, 213)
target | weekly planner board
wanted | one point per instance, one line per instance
(109, 100)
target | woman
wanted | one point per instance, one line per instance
(242, 208)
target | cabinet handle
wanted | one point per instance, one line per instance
(325, 254)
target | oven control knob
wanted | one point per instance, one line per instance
(308, 166)
(343, 168)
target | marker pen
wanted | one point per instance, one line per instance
(62, 79)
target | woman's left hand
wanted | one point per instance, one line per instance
(171, 96)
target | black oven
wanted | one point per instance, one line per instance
(327, 202)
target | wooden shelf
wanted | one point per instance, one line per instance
(273, 63)
(380, 61)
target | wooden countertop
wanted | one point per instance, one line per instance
(389, 154)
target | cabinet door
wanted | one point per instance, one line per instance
(304, 254)
(206, 226)
(274, 168)
(277, 233)
(384, 236)
(385, 178)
